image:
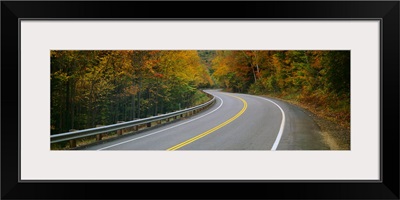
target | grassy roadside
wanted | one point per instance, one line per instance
(200, 98)
(333, 119)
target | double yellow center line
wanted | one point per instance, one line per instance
(180, 145)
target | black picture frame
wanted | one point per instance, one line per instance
(386, 11)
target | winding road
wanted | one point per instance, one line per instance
(235, 122)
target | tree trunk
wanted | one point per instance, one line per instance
(254, 74)
(156, 100)
(67, 107)
(139, 93)
(133, 107)
(124, 111)
(72, 106)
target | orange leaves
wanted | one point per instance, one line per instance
(131, 90)
(158, 75)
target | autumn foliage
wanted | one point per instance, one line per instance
(319, 80)
(90, 88)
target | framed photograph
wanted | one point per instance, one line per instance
(301, 98)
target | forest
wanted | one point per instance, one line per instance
(317, 80)
(89, 88)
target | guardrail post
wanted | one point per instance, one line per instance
(120, 131)
(72, 143)
(149, 124)
(99, 136)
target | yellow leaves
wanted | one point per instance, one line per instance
(184, 64)
(132, 90)
(276, 61)
(180, 66)
(221, 64)
(54, 53)
(62, 76)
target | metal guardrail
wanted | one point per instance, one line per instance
(71, 136)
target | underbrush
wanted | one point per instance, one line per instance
(200, 98)
(333, 107)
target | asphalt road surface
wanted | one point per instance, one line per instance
(234, 122)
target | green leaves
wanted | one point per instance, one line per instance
(320, 78)
(101, 87)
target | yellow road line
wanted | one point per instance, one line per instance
(180, 145)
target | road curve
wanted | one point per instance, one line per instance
(234, 122)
